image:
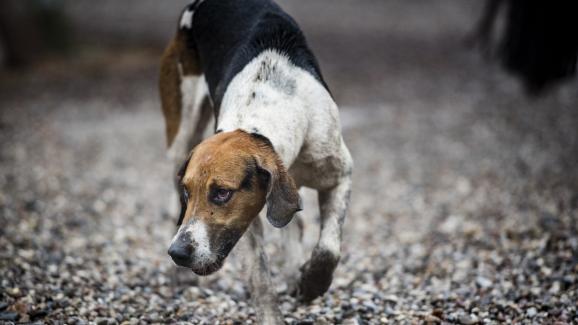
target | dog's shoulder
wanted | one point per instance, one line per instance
(228, 34)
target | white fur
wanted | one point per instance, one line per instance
(295, 112)
(193, 91)
(199, 235)
(200, 240)
(286, 104)
(330, 237)
(187, 19)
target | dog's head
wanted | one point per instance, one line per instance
(223, 186)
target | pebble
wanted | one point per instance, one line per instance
(101, 321)
(351, 321)
(370, 306)
(531, 312)
(431, 319)
(14, 292)
(8, 316)
(468, 319)
(483, 282)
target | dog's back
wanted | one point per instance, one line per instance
(228, 34)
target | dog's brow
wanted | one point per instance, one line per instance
(225, 183)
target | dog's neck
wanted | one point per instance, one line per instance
(272, 97)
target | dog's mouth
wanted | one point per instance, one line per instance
(214, 266)
(209, 268)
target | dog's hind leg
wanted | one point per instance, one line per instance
(262, 291)
(196, 114)
(184, 93)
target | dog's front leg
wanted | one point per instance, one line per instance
(317, 273)
(262, 292)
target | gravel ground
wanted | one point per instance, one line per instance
(464, 207)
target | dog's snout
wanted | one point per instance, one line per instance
(181, 252)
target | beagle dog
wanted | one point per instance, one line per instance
(245, 65)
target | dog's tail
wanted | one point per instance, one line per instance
(186, 21)
(179, 59)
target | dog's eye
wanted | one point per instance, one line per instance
(221, 195)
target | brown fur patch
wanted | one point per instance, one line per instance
(224, 161)
(176, 53)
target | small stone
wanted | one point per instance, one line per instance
(468, 319)
(9, 316)
(322, 321)
(351, 321)
(53, 269)
(483, 282)
(101, 321)
(531, 312)
(14, 292)
(315, 309)
(370, 306)
(438, 313)
(391, 299)
(154, 316)
(555, 288)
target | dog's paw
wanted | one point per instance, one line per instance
(316, 275)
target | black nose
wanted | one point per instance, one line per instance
(181, 252)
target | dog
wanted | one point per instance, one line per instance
(245, 66)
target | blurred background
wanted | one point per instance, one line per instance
(465, 199)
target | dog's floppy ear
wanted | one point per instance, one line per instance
(183, 195)
(283, 199)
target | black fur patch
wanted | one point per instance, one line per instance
(264, 178)
(246, 184)
(228, 34)
(317, 275)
